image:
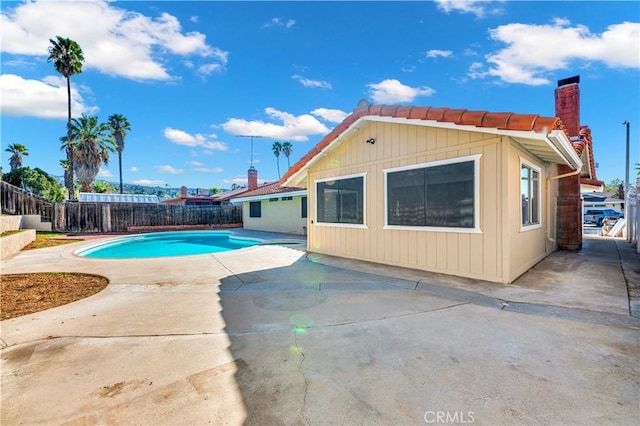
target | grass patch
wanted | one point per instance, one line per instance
(50, 239)
(5, 233)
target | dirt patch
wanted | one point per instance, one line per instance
(24, 294)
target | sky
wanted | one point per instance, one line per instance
(195, 78)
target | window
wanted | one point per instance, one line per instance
(441, 194)
(271, 200)
(304, 206)
(340, 200)
(530, 194)
(255, 209)
(287, 198)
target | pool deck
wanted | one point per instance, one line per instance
(273, 335)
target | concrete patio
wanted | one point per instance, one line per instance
(271, 335)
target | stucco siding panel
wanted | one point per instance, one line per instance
(276, 216)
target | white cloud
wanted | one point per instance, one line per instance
(114, 40)
(312, 83)
(208, 170)
(194, 18)
(392, 91)
(527, 57)
(480, 8)
(293, 128)
(168, 169)
(277, 22)
(195, 163)
(208, 69)
(408, 68)
(332, 115)
(133, 169)
(46, 98)
(434, 53)
(149, 182)
(180, 137)
(242, 181)
(104, 173)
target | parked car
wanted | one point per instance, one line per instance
(597, 216)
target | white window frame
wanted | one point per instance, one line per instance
(476, 196)
(532, 166)
(363, 225)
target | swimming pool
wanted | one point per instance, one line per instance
(165, 244)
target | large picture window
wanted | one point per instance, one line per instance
(442, 194)
(530, 195)
(340, 200)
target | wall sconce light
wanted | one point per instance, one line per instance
(371, 141)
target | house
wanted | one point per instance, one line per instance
(470, 193)
(190, 200)
(272, 207)
(604, 200)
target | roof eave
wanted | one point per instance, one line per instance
(267, 196)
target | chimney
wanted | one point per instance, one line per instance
(252, 178)
(569, 206)
(568, 104)
(183, 192)
(621, 192)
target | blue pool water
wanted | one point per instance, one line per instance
(164, 244)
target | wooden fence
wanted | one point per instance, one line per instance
(115, 217)
(17, 201)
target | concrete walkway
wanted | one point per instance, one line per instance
(269, 335)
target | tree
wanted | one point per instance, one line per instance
(119, 126)
(287, 149)
(67, 58)
(277, 149)
(91, 145)
(18, 151)
(215, 190)
(36, 181)
(102, 187)
(613, 186)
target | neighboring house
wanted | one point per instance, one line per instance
(602, 201)
(92, 197)
(271, 207)
(190, 200)
(470, 193)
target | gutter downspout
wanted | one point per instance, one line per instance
(573, 173)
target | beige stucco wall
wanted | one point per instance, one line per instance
(476, 255)
(277, 216)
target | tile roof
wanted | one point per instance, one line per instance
(481, 119)
(586, 139)
(270, 188)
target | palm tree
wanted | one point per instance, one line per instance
(119, 126)
(287, 149)
(67, 58)
(18, 151)
(90, 144)
(277, 149)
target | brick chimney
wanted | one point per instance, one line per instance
(252, 178)
(183, 192)
(569, 214)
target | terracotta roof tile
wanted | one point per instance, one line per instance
(269, 189)
(522, 122)
(547, 124)
(418, 112)
(472, 118)
(453, 115)
(436, 113)
(496, 120)
(482, 119)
